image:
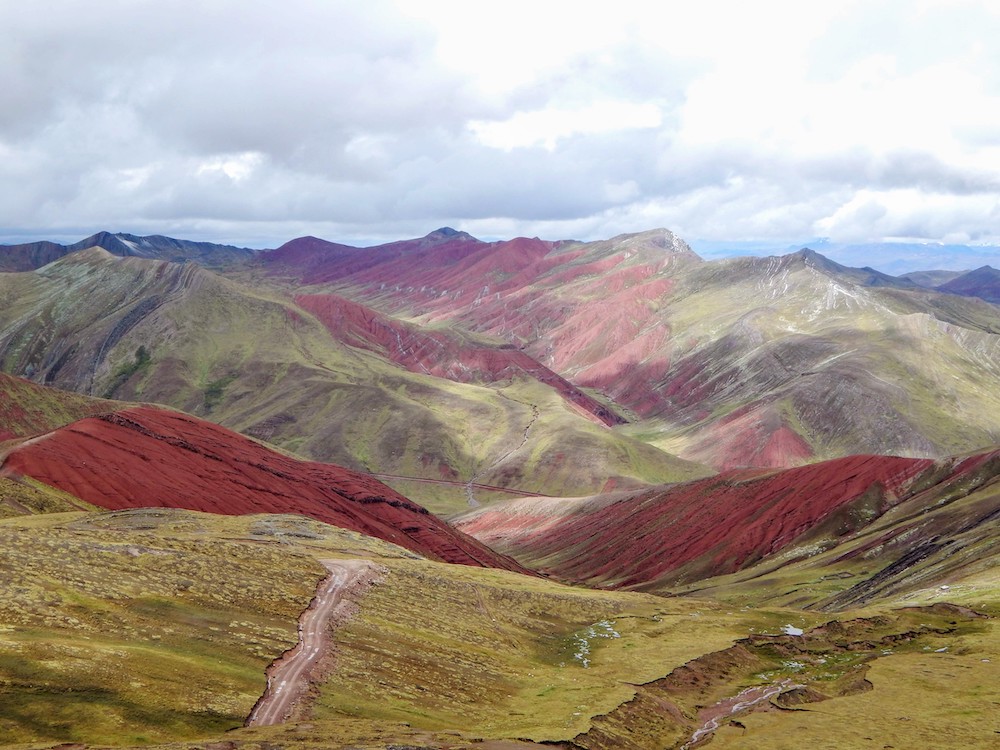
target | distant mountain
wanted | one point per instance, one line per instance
(930, 279)
(29, 256)
(742, 362)
(865, 276)
(326, 378)
(983, 283)
(897, 258)
(553, 367)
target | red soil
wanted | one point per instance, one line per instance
(440, 353)
(701, 528)
(147, 457)
(751, 436)
(604, 332)
(317, 261)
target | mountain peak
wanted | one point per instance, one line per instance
(659, 239)
(447, 233)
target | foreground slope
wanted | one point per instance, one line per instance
(156, 626)
(148, 457)
(658, 540)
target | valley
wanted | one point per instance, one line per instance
(448, 493)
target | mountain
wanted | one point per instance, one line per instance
(766, 362)
(907, 523)
(983, 283)
(866, 583)
(252, 359)
(930, 279)
(33, 255)
(892, 257)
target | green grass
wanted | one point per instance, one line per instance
(452, 648)
(145, 624)
(155, 626)
(140, 364)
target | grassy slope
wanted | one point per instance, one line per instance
(26, 496)
(148, 625)
(883, 374)
(28, 409)
(156, 626)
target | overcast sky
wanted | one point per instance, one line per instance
(254, 122)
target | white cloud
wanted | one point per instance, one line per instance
(237, 167)
(547, 127)
(721, 120)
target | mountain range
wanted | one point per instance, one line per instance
(593, 495)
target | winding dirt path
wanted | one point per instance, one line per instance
(288, 677)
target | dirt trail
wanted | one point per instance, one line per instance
(288, 677)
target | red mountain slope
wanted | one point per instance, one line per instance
(441, 353)
(714, 526)
(148, 457)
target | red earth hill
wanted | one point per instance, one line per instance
(686, 532)
(149, 457)
(441, 353)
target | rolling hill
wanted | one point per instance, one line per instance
(751, 362)
(142, 457)
(867, 583)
